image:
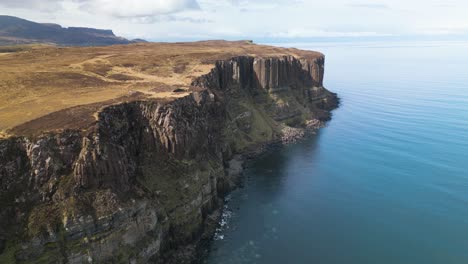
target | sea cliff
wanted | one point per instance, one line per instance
(146, 182)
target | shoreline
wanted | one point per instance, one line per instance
(146, 180)
(243, 162)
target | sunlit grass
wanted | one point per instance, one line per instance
(37, 80)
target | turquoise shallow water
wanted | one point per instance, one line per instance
(385, 182)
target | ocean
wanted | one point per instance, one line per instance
(386, 181)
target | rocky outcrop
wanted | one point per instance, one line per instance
(20, 31)
(266, 73)
(146, 183)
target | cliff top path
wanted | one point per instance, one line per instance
(46, 88)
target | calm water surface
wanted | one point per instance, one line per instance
(385, 182)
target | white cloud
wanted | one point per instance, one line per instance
(307, 33)
(120, 8)
(140, 8)
(369, 5)
(41, 5)
(253, 19)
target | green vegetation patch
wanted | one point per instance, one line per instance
(8, 255)
(44, 218)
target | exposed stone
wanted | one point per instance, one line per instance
(147, 181)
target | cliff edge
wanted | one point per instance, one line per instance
(140, 177)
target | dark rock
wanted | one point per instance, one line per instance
(2, 245)
(20, 31)
(179, 90)
(148, 180)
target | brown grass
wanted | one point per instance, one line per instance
(37, 81)
(124, 77)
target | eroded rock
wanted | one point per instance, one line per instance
(147, 181)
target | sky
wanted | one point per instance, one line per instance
(173, 20)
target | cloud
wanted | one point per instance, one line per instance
(370, 5)
(139, 8)
(120, 8)
(253, 19)
(42, 5)
(256, 5)
(307, 33)
(168, 18)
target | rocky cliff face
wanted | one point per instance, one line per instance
(265, 73)
(147, 182)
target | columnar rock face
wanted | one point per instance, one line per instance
(267, 73)
(274, 73)
(131, 147)
(147, 182)
(187, 128)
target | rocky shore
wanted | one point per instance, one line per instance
(147, 183)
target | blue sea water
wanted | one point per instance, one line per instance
(385, 182)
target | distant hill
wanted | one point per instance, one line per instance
(14, 30)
